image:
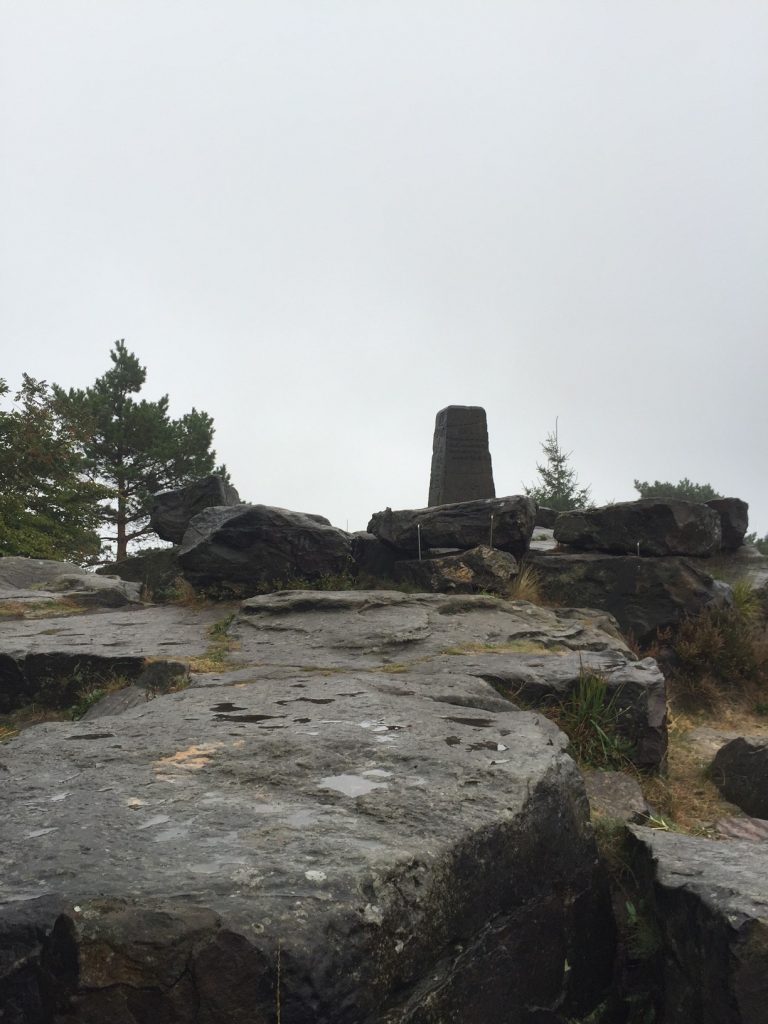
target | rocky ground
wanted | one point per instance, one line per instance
(347, 820)
(350, 807)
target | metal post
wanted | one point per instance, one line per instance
(418, 534)
(490, 540)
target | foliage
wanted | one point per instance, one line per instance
(720, 653)
(48, 506)
(685, 489)
(558, 485)
(590, 718)
(134, 446)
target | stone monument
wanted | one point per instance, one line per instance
(461, 459)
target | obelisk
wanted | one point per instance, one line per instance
(461, 459)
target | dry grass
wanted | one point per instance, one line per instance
(49, 609)
(685, 795)
(220, 647)
(525, 587)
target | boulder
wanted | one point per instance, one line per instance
(172, 510)
(644, 594)
(461, 526)
(156, 570)
(27, 585)
(252, 546)
(470, 572)
(372, 557)
(616, 796)
(92, 591)
(707, 903)
(740, 772)
(18, 573)
(651, 526)
(545, 517)
(734, 520)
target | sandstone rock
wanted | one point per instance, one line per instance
(249, 546)
(617, 796)
(740, 772)
(92, 591)
(710, 905)
(734, 520)
(643, 594)
(464, 525)
(50, 661)
(372, 557)
(461, 459)
(545, 517)
(172, 510)
(478, 569)
(363, 828)
(651, 526)
(156, 570)
(35, 582)
(33, 573)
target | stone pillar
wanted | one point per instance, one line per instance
(461, 459)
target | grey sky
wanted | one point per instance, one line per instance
(321, 222)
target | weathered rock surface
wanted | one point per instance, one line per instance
(734, 520)
(350, 824)
(463, 525)
(545, 517)
(50, 661)
(372, 557)
(35, 582)
(18, 573)
(248, 546)
(461, 458)
(643, 594)
(617, 796)
(740, 772)
(710, 903)
(156, 570)
(172, 510)
(534, 655)
(651, 526)
(470, 572)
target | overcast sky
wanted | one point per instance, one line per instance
(323, 221)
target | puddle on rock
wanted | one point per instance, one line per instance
(350, 785)
(245, 718)
(478, 723)
(227, 706)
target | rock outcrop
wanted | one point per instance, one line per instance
(734, 520)
(644, 594)
(172, 510)
(740, 772)
(503, 523)
(707, 902)
(249, 546)
(156, 570)
(347, 823)
(469, 572)
(651, 526)
(36, 582)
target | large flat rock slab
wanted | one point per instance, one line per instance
(349, 823)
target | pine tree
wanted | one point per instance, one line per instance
(48, 506)
(558, 485)
(685, 489)
(134, 446)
